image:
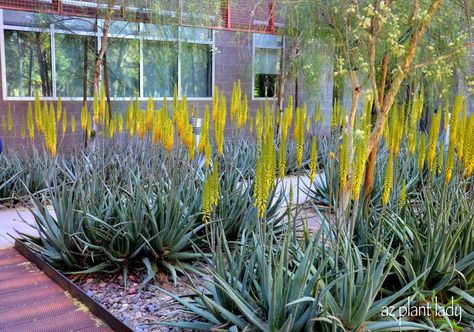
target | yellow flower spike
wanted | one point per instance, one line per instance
(208, 152)
(359, 162)
(150, 114)
(469, 146)
(433, 140)
(84, 117)
(460, 134)
(422, 152)
(220, 125)
(23, 127)
(44, 117)
(317, 113)
(403, 194)
(120, 123)
(299, 135)
(313, 164)
(215, 183)
(59, 109)
(169, 135)
(88, 125)
(308, 124)
(10, 118)
(453, 128)
(204, 130)
(215, 104)
(31, 124)
(73, 124)
(64, 123)
(343, 160)
(388, 182)
(175, 102)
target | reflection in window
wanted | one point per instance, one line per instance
(28, 63)
(160, 61)
(196, 70)
(70, 64)
(123, 63)
(266, 72)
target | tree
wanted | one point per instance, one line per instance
(377, 47)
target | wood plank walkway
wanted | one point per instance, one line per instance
(30, 301)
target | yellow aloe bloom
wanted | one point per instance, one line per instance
(150, 114)
(208, 152)
(265, 171)
(10, 118)
(422, 152)
(175, 102)
(31, 124)
(388, 182)
(313, 164)
(469, 147)
(446, 117)
(453, 129)
(299, 134)
(64, 123)
(73, 124)
(460, 134)
(360, 159)
(433, 140)
(38, 111)
(219, 127)
(317, 113)
(343, 160)
(169, 134)
(211, 192)
(403, 194)
(84, 116)
(243, 113)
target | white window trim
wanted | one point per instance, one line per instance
(253, 68)
(52, 31)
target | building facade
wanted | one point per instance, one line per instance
(50, 47)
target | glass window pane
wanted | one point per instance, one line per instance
(68, 23)
(196, 70)
(266, 71)
(267, 41)
(123, 63)
(28, 63)
(70, 64)
(26, 19)
(124, 28)
(167, 32)
(196, 35)
(160, 60)
(267, 61)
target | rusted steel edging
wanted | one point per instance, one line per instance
(97, 309)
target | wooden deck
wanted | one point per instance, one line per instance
(30, 301)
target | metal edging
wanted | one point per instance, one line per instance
(97, 309)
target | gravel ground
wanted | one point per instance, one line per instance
(142, 307)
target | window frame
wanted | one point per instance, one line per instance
(272, 47)
(52, 30)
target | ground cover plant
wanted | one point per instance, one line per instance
(147, 198)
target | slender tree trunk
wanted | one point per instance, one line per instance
(106, 85)
(100, 55)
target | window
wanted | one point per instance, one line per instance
(48, 52)
(160, 60)
(123, 64)
(196, 70)
(266, 65)
(70, 54)
(28, 63)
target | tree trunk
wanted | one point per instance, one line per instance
(106, 86)
(86, 69)
(100, 55)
